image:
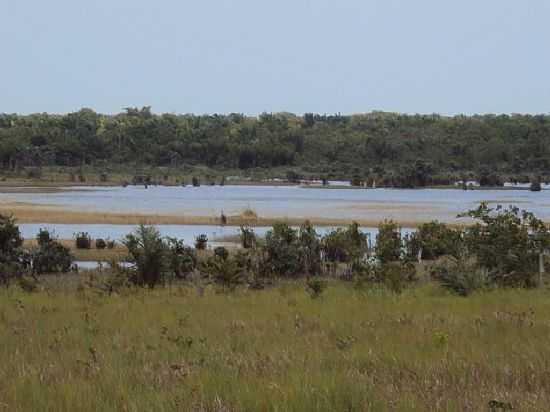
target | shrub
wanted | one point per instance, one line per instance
(201, 241)
(51, 257)
(148, 252)
(535, 186)
(507, 242)
(100, 243)
(103, 177)
(344, 245)
(43, 236)
(433, 239)
(111, 244)
(315, 287)
(182, 258)
(224, 272)
(13, 260)
(282, 257)
(221, 252)
(248, 237)
(461, 275)
(196, 182)
(309, 249)
(388, 242)
(83, 240)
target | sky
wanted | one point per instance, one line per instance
(254, 56)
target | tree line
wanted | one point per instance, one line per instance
(383, 148)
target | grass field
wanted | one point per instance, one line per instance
(183, 348)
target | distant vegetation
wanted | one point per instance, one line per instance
(377, 148)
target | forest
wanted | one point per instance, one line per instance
(389, 148)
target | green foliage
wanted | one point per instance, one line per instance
(51, 257)
(461, 275)
(226, 273)
(282, 257)
(344, 245)
(402, 150)
(10, 237)
(43, 236)
(100, 243)
(388, 242)
(434, 239)
(315, 286)
(201, 242)
(182, 259)
(247, 236)
(148, 253)
(83, 240)
(13, 260)
(221, 252)
(507, 242)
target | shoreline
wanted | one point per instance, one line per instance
(49, 214)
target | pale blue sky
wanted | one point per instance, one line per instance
(250, 56)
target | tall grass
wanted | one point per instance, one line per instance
(180, 349)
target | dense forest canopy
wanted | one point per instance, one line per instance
(407, 149)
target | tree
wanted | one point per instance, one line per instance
(507, 242)
(148, 253)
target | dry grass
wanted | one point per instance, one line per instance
(117, 253)
(275, 350)
(31, 213)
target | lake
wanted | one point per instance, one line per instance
(408, 205)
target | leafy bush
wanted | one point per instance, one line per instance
(461, 275)
(247, 236)
(315, 287)
(344, 245)
(201, 241)
(182, 259)
(434, 239)
(83, 240)
(100, 243)
(43, 236)
(221, 252)
(507, 242)
(148, 253)
(282, 256)
(13, 260)
(226, 273)
(309, 249)
(51, 257)
(111, 244)
(195, 181)
(388, 242)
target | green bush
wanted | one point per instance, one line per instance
(388, 242)
(182, 259)
(315, 287)
(247, 236)
(434, 239)
(344, 245)
(51, 257)
(226, 273)
(148, 253)
(507, 242)
(83, 240)
(100, 243)
(461, 275)
(221, 252)
(43, 236)
(201, 242)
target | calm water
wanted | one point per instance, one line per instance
(187, 233)
(288, 201)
